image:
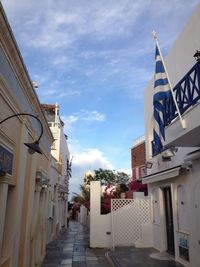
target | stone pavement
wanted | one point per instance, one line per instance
(71, 249)
(140, 257)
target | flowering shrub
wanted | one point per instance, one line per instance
(137, 186)
(111, 192)
(87, 205)
(105, 205)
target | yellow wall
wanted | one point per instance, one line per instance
(23, 200)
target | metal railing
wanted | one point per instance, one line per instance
(187, 94)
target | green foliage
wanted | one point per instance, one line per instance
(106, 177)
(84, 195)
(88, 179)
(110, 177)
(121, 188)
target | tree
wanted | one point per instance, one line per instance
(121, 178)
(121, 188)
(110, 177)
(104, 176)
(89, 176)
(84, 197)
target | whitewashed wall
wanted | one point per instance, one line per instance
(131, 222)
(178, 62)
(84, 216)
(186, 213)
(100, 225)
(185, 187)
(117, 227)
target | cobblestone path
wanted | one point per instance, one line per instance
(71, 249)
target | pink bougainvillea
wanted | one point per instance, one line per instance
(137, 186)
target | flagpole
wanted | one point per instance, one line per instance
(183, 124)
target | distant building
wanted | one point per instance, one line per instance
(138, 158)
(138, 165)
(61, 161)
(173, 181)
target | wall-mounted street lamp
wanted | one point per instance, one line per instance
(149, 164)
(197, 55)
(33, 147)
(168, 153)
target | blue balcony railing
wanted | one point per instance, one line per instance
(187, 94)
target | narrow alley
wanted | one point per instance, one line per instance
(71, 249)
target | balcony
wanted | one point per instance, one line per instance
(189, 137)
(187, 94)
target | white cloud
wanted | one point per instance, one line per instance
(70, 93)
(89, 54)
(69, 120)
(71, 32)
(54, 91)
(62, 60)
(82, 116)
(52, 24)
(90, 159)
(93, 116)
(62, 24)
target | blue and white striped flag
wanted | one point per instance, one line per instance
(161, 92)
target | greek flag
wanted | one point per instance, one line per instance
(161, 92)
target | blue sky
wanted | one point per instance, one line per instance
(94, 58)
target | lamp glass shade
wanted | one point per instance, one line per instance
(33, 147)
(149, 164)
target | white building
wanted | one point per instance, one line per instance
(174, 180)
(59, 172)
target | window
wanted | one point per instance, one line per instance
(143, 171)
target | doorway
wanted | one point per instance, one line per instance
(169, 220)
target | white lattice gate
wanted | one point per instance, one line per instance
(128, 216)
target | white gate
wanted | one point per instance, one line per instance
(128, 217)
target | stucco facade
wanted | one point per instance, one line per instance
(53, 224)
(174, 183)
(23, 190)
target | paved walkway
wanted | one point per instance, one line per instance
(140, 257)
(71, 249)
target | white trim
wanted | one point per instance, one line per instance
(138, 141)
(192, 155)
(161, 176)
